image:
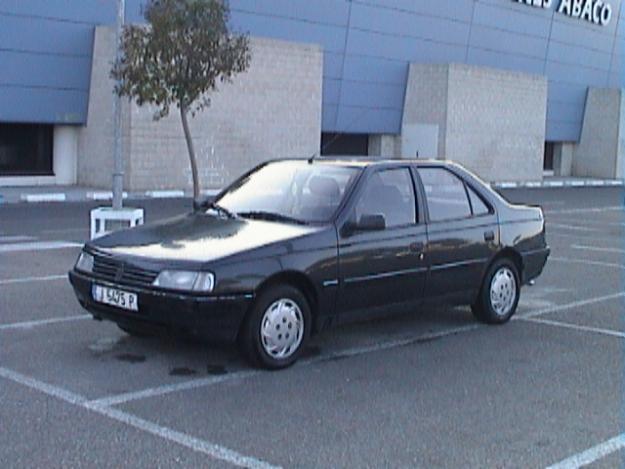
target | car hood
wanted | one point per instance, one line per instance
(198, 238)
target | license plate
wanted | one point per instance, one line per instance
(114, 297)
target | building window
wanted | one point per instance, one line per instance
(25, 149)
(344, 144)
(548, 161)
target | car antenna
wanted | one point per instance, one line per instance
(338, 135)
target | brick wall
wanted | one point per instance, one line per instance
(271, 111)
(491, 121)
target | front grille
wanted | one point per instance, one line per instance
(113, 270)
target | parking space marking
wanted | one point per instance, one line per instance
(593, 454)
(587, 210)
(593, 248)
(380, 346)
(171, 388)
(573, 304)
(48, 278)
(38, 246)
(576, 327)
(574, 227)
(48, 389)
(202, 446)
(579, 236)
(587, 262)
(14, 239)
(42, 322)
(239, 375)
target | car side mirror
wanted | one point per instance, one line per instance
(367, 222)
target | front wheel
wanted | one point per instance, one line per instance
(499, 294)
(277, 328)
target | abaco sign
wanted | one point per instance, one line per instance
(593, 11)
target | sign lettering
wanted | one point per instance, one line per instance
(593, 11)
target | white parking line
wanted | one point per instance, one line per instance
(573, 304)
(576, 327)
(201, 446)
(47, 278)
(170, 388)
(38, 246)
(587, 262)
(614, 208)
(593, 454)
(42, 322)
(158, 391)
(14, 239)
(565, 226)
(593, 248)
(202, 382)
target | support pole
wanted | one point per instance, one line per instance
(118, 171)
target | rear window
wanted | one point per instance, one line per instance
(445, 194)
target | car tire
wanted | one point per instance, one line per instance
(134, 331)
(499, 294)
(276, 328)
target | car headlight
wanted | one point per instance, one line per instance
(185, 280)
(85, 262)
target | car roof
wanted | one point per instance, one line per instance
(366, 161)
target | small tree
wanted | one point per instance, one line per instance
(182, 54)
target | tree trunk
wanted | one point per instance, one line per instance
(187, 135)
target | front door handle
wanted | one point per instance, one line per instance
(489, 236)
(416, 247)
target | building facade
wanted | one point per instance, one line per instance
(509, 88)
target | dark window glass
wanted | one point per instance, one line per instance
(344, 144)
(25, 149)
(389, 193)
(478, 205)
(548, 160)
(446, 196)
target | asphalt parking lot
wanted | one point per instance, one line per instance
(429, 389)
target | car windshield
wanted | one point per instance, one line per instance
(291, 191)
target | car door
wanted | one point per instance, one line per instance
(462, 235)
(381, 269)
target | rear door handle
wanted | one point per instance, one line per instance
(489, 236)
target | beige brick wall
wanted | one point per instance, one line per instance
(600, 150)
(491, 121)
(426, 100)
(496, 122)
(271, 111)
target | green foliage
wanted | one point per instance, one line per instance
(183, 53)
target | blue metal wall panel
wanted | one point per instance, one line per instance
(45, 52)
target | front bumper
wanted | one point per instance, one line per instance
(533, 263)
(212, 317)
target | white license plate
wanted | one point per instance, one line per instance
(114, 297)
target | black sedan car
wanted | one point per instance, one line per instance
(296, 246)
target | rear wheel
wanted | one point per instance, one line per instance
(499, 294)
(276, 328)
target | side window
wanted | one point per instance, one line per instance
(445, 193)
(389, 193)
(478, 205)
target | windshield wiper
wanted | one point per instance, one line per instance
(220, 209)
(270, 216)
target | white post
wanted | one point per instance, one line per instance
(118, 172)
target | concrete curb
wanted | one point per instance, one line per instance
(174, 194)
(559, 184)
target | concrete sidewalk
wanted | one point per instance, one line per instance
(38, 194)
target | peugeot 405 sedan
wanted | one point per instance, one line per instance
(296, 246)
